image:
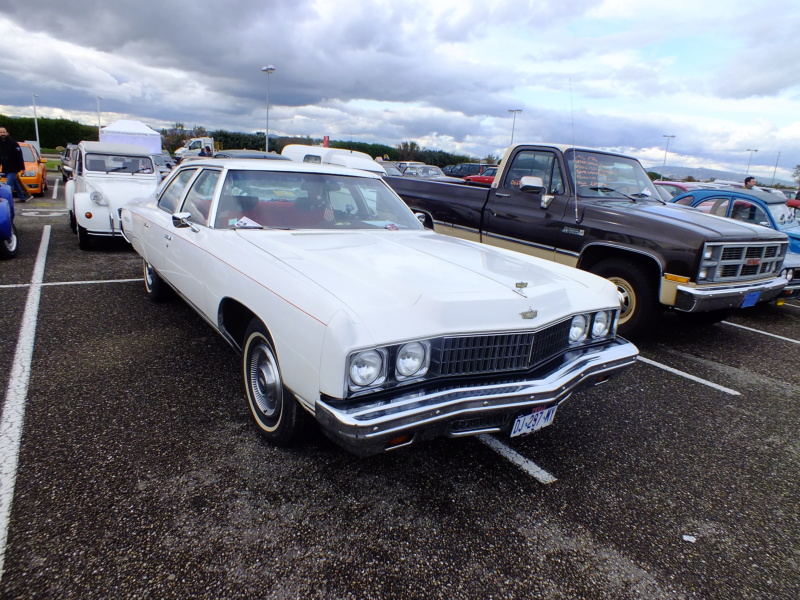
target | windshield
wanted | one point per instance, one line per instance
(27, 154)
(118, 163)
(293, 200)
(611, 176)
(784, 216)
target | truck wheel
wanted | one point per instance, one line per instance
(275, 411)
(639, 310)
(84, 241)
(9, 247)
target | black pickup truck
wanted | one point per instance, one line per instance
(599, 211)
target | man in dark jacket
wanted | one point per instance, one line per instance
(12, 163)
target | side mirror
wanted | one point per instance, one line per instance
(531, 184)
(182, 220)
(424, 219)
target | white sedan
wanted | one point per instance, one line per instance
(346, 309)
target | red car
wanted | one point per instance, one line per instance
(484, 179)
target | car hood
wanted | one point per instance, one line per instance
(120, 189)
(456, 283)
(711, 227)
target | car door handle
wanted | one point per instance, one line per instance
(168, 237)
(147, 224)
(503, 195)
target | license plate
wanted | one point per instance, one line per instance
(540, 417)
(750, 299)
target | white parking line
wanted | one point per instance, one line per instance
(688, 376)
(87, 282)
(55, 190)
(780, 337)
(17, 394)
(530, 467)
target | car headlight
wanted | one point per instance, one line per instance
(601, 325)
(413, 360)
(366, 367)
(787, 274)
(29, 174)
(703, 273)
(578, 329)
(98, 198)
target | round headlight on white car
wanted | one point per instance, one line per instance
(366, 367)
(412, 359)
(578, 329)
(97, 198)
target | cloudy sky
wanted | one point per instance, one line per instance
(722, 76)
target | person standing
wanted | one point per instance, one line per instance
(12, 163)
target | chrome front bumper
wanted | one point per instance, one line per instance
(370, 426)
(696, 299)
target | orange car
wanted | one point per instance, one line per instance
(34, 177)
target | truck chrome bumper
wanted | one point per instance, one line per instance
(692, 299)
(370, 426)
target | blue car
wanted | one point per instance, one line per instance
(758, 208)
(8, 232)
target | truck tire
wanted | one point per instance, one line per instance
(640, 310)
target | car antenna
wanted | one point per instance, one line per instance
(574, 153)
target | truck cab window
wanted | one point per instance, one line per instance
(537, 164)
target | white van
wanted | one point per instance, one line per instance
(333, 156)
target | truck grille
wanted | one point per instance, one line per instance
(742, 262)
(519, 351)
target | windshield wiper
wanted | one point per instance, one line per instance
(634, 197)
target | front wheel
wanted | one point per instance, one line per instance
(9, 247)
(276, 413)
(639, 307)
(84, 240)
(155, 287)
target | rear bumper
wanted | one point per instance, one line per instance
(370, 426)
(695, 299)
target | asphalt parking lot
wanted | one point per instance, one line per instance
(139, 474)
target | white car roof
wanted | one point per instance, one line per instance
(259, 164)
(112, 148)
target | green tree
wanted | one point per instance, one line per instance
(796, 174)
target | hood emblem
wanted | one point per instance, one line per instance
(529, 314)
(519, 286)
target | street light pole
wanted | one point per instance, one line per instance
(98, 116)
(514, 112)
(669, 137)
(746, 173)
(268, 69)
(36, 124)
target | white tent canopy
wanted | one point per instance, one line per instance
(132, 132)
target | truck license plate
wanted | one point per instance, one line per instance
(540, 417)
(750, 299)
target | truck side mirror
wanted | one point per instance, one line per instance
(531, 184)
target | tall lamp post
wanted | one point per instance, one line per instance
(663, 166)
(36, 124)
(98, 116)
(268, 69)
(514, 112)
(750, 159)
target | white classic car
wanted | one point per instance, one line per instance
(104, 178)
(343, 306)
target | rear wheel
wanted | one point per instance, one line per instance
(275, 411)
(84, 239)
(639, 308)
(9, 247)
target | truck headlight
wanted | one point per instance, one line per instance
(366, 367)
(413, 360)
(578, 329)
(787, 274)
(98, 198)
(703, 273)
